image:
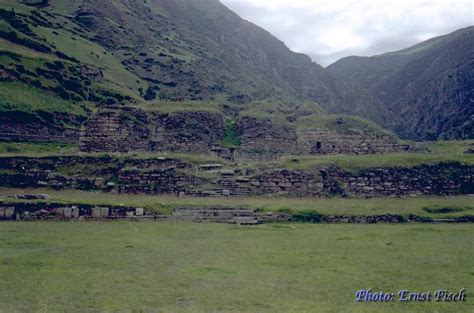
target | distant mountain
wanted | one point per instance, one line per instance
(427, 90)
(82, 55)
(61, 60)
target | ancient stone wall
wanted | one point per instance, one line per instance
(441, 178)
(170, 176)
(435, 179)
(186, 131)
(113, 130)
(28, 211)
(84, 173)
(319, 141)
(286, 182)
(164, 181)
(263, 136)
(132, 129)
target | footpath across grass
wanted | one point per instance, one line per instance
(183, 267)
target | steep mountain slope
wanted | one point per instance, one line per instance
(87, 54)
(426, 89)
(61, 60)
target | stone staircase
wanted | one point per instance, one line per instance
(216, 215)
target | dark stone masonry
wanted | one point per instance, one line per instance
(21, 211)
(314, 141)
(171, 176)
(133, 129)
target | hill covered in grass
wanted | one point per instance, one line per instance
(62, 60)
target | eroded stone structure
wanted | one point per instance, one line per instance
(354, 141)
(25, 211)
(133, 129)
(261, 135)
(175, 177)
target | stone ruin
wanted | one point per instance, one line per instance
(161, 175)
(318, 141)
(27, 211)
(133, 129)
(214, 214)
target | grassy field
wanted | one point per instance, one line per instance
(33, 148)
(428, 206)
(181, 267)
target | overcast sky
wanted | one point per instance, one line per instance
(328, 30)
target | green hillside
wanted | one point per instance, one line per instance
(66, 58)
(61, 60)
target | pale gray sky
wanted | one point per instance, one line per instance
(328, 30)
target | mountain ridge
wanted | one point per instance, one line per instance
(156, 54)
(426, 88)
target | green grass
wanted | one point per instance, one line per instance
(181, 267)
(453, 147)
(423, 206)
(16, 5)
(116, 75)
(430, 152)
(340, 123)
(451, 151)
(34, 148)
(24, 51)
(173, 106)
(21, 97)
(231, 136)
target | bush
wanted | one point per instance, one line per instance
(231, 135)
(307, 216)
(441, 210)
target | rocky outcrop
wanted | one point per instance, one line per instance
(426, 89)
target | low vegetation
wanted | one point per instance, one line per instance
(231, 135)
(427, 153)
(181, 267)
(33, 148)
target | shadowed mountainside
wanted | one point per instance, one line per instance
(426, 89)
(61, 60)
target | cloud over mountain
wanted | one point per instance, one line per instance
(329, 30)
